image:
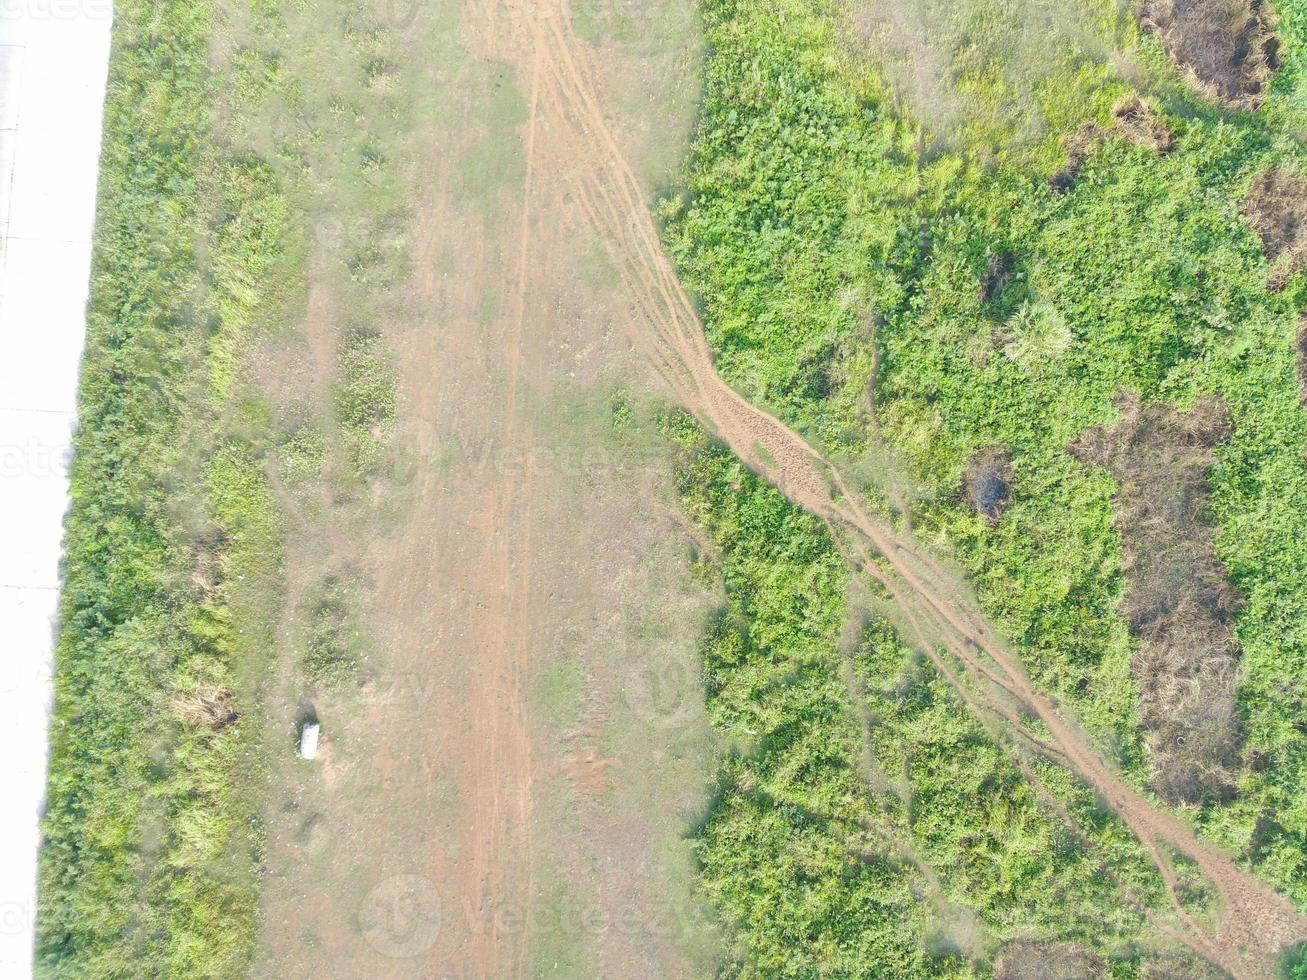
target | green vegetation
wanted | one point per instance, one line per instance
(365, 400)
(1294, 964)
(867, 824)
(334, 642)
(838, 252)
(791, 849)
(1193, 890)
(151, 838)
(995, 843)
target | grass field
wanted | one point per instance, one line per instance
(876, 282)
(868, 825)
(152, 840)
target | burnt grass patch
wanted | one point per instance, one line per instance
(998, 273)
(1133, 121)
(1226, 49)
(1178, 599)
(987, 482)
(1276, 209)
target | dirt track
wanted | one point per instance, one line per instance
(537, 36)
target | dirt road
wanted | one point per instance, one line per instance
(506, 794)
(537, 36)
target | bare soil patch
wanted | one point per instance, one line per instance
(1178, 600)
(490, 798)
(208, 706)
(1226, 49)
(1276, 208)
(987, 482)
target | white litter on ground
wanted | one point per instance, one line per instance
(53, 60)
(309, 739)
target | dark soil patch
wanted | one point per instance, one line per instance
(1226, 49)
(987, 482)
(1276, 208)
(998, 273)
(1025, 960)
(1178, 600)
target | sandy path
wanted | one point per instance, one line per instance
(1256, 923)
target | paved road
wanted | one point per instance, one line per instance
(53, 56)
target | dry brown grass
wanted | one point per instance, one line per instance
(1182, 965)
(1226, 49)
(1178, 600)
(1026, 960)
(1276, 208)
(209, 706)
(1079, 145)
